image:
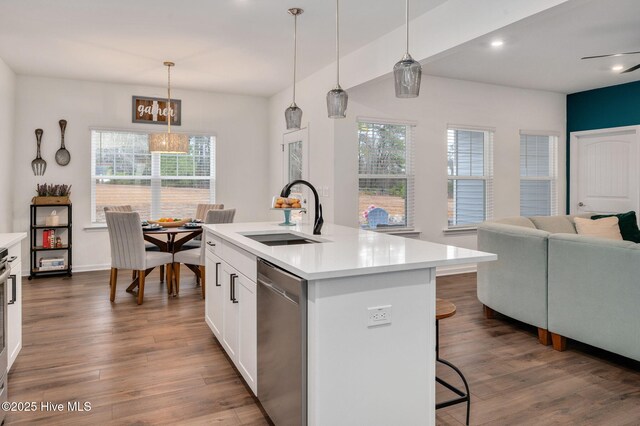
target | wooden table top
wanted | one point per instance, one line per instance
(175, 230)
(444, 309)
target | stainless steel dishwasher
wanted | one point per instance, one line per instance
(282, 345)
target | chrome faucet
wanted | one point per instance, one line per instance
(318, 221)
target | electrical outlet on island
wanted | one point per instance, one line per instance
(378, 315)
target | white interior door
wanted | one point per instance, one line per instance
(604, 171)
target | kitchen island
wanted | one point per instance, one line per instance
(369, 307)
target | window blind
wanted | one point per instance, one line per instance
(385, 174)
(538, 170)
(123, 171)
(470, 171)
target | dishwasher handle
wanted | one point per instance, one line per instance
(277, 290)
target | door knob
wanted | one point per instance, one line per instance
(580, 204)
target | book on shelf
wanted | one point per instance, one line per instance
(51, 261)
(52, 268)
(49, 238)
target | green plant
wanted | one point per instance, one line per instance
(51, 190)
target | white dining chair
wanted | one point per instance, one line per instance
(196, 256)
(220, 216)
(127, 251)
(202, 209)
(147, 245)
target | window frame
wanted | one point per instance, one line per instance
(487, 176)
(155, 178)
(553, 168)
(408, 176)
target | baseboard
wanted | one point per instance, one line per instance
(442, 271)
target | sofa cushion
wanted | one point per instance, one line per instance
(554, 224)
(516, 221)
(628, 225)
(607, 227)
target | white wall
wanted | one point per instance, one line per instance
(7, 118)
(441, 102)
(333, 143)
(310, 97)
(238, 122)
(433, 33)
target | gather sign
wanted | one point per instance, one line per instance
(155, 111)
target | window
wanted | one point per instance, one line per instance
(470, 170)
(385, 175)
(123, 171)
(537, 175)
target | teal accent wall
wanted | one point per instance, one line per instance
(612, 106)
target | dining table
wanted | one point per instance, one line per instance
(166, 238)
(169, 240)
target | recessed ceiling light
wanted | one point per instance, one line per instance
(497, 43)
(617, 68)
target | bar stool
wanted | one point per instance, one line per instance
(446, 309)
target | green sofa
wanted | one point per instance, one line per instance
(567, 285)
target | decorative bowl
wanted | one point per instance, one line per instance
(174, 224)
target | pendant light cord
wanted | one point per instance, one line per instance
(295, 53)
(337, 43)
(407, 21)
(169, 99)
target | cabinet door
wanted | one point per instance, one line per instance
(214, 299)
(247, 337)
(14, 314)
(230, 311)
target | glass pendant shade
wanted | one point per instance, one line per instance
(293, 117)
(407, 74)
(169, 143)
(337, 98)
(337, 103)
(293, 114)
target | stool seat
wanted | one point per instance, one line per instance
(444, 309)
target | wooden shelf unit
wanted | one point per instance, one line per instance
(36, 239)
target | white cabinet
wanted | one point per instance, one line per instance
(14, 312)
(214, 294)
(230, 304)
(247, 327)
(13, 295)
(230, 311)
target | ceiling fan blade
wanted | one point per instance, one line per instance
(631, 69)
(609, 55)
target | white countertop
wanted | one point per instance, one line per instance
(7, 240)
(345, 251)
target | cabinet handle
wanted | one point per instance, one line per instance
(233, 287)
(231, 290)
(12, 258)
(217, 280)
(211, 243)
(14, 280)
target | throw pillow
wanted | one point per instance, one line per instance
(607, 227)
(627, 223)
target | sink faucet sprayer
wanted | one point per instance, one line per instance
(318, 221)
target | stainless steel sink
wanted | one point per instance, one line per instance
(281, 239)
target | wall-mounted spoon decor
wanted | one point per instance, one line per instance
(38, 165)
(62, 155)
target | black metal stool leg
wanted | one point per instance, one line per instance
(463, 396)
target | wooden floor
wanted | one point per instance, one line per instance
(159, 364)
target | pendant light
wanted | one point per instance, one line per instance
(337, 98)
(407, 72)
(293, 114)
(170, 143)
